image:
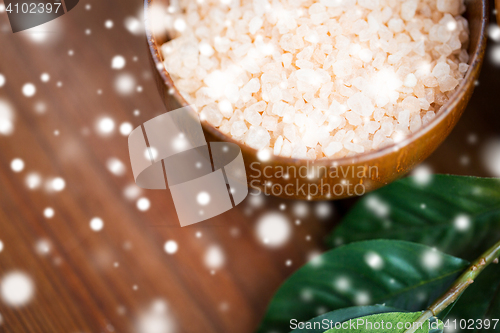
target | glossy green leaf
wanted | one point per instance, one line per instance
(457, 215)
(479, 302)
(397, 322)
(400, 274)
(321, 323)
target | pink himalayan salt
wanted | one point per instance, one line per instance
(328, 79)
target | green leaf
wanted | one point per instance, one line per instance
(480, 301)
(400, 274)
(388, 322)
(397, 212)
(317, 324)
(457, 215)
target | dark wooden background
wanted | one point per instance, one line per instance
(78, 287)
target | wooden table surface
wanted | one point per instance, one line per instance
(120, 278)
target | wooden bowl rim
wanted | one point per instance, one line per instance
(446, 110)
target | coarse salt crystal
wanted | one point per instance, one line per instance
(333, 78)
(270, 123)
(286, 149)
(428, 117)
(463, 67)
(449, 6)
(404, 118)
(354, 147)
(372, 126)
(410, 80)
(238, 128)
(353, 118)
(206, 49)
(415, 123)
(396, 24)
(211, 114)
(411, 104)
(226, 108)
(366, 55)
(332, 148)
(310, 137)
(288, 114)
(441, 69)
(332, 3)
(287, 59)
(424, 104)
(257, 137)
(361, 104)
(277, 145)
(408, 9)
(255, 24)
(252, 116)
(447, 83)
(299, 150)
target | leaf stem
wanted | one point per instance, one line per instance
(458, 287)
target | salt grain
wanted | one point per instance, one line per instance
(211, 114)
(323, 79)
(206, 49)
(226, 108)
(257, 137)
(447, 83)
(361, 104)
(278, 144)
(462, 68)
(255, 24)
(441, 69)
(410, 80)
(366, 55)
(332, 148)
(238, 128)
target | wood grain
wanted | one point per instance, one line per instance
(77, 286)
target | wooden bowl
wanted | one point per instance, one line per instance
(342, 177)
